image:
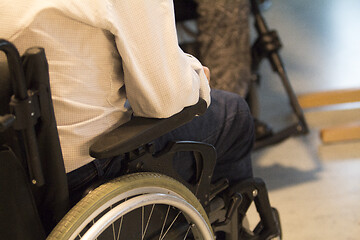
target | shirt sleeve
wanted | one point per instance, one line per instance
(160, 79)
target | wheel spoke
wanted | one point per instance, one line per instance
(142, 222)
(171, 225)
(114, 233)
(187, 232)
(148, 221)
(113, 227)
(120, 224)
(163, 226)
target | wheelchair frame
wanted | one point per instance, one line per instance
(133, 141)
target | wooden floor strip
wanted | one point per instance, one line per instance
(341, 133)
(328, 98)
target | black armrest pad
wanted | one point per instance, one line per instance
(139, 131)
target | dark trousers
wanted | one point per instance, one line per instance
(227, 125)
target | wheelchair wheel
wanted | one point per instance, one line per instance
(136, 206)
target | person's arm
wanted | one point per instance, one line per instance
(160, 79)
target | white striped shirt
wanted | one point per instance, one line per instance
(102, 54)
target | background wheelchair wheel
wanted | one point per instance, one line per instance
(136, 206)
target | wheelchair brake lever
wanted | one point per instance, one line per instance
(234, 204)
(218, 187)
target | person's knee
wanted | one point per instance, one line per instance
(233, 103)
(238, 110)
(236, 125)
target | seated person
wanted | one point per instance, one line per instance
(111, 59)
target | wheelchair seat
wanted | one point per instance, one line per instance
(149, 201)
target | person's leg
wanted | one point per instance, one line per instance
(228, 126)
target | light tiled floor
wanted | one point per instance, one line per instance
(316, 187)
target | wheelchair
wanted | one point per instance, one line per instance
(150, 200)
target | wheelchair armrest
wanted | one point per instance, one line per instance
(139, 131)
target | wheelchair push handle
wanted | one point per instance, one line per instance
(21, 98)
(15, 68)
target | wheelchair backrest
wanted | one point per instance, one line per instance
(27, 200)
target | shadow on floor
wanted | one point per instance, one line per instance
(278, 176)
(275, 167)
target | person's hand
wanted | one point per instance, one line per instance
(207, 73)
